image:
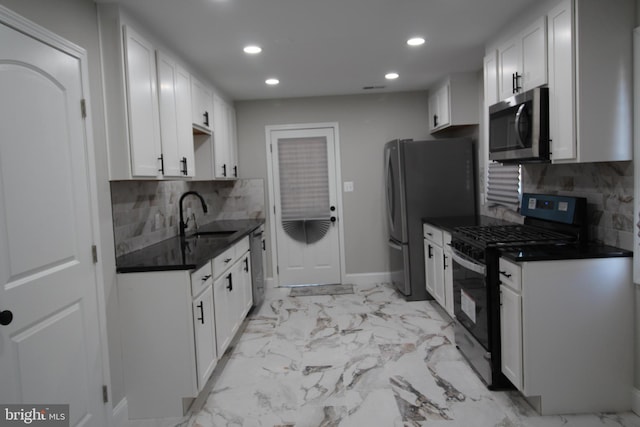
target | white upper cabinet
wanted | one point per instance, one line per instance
(157, 113)
(454, 102)
(175, 118)
(523, 60)
(142, 105)
(590, 81)
(490, 79)
(225, 165)
(202, 108)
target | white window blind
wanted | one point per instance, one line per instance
(503, 185)
(304, 178)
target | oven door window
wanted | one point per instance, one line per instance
(470, 300)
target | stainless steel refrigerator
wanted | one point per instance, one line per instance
(423, 179)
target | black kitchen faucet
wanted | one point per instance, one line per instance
(183, 224)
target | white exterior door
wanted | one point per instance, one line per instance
(50, 352)
(304, 190)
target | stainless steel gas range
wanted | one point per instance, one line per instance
(550, 221)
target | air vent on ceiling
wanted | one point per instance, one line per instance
(372, 87)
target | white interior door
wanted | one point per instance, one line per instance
(304, 191)
(50, 352)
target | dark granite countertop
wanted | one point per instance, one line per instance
(564, 252)
(186, 253)
(531, 253)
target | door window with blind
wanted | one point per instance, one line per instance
(304, 188)
(503, 185)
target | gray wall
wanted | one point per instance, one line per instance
(75, 20)
(366, 123)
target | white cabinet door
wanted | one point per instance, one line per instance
(448, 276)
(509, 65)
(438, 275)
(429, 268)
(142, 105)
(534, 55)
(491, 79)
(169, 125)
(184, 117)
(523, 60)
(246, 289)
(222, 167)
(201, 106)
(511, 335)
(224, 311)
(205, 335)
(439, 103)
(561, 83)
(232, 141)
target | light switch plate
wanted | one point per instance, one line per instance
(348, 186)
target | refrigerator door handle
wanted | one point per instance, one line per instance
(390, 195)
(394, 245)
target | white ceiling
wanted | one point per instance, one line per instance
(325, 47)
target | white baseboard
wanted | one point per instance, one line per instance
(635, 401)
(120, 415)
(360, 279)
(364, 279)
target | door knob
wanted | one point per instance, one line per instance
(5, 317)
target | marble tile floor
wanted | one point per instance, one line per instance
(367, 359)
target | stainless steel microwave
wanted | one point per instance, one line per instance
(519, 128)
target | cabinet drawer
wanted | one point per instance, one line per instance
(433, 234)
(200, 279)
(224, 261)
(510, 274)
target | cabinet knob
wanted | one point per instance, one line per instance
(205, 277)
(6, 317)
(230, 282)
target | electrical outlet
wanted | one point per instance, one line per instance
(348, 186)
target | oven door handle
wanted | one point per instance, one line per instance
(468, 263)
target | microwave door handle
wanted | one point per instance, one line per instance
(517, 124)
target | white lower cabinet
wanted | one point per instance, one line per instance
(511, 321)
(437, 264)
(175, 327)
(230, 290)
(205, 335)
(566, 331)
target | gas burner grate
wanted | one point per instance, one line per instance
(511, 234)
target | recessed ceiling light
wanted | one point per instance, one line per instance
(252, 49)
(415, 41)
(391, 76)
(272, 82)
